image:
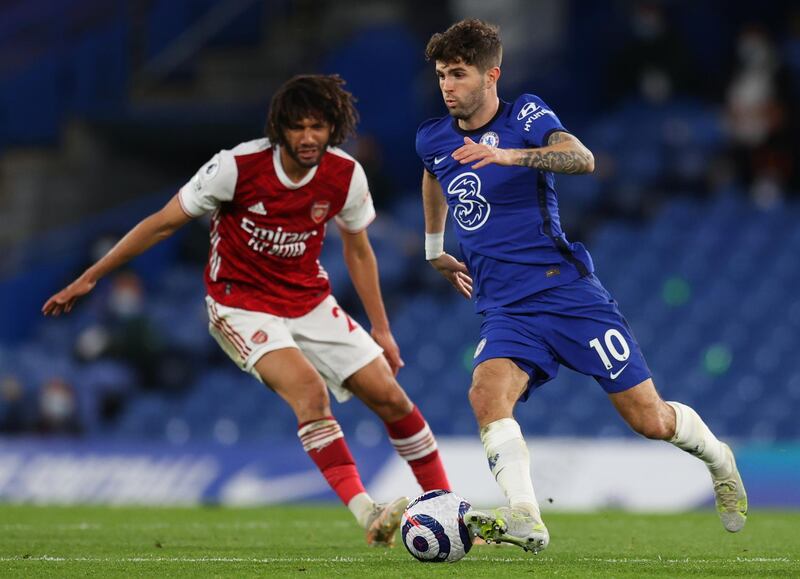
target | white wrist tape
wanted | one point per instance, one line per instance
(434, 245)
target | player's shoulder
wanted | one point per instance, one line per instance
(432, 126)
(229, 167)
(528, 104)
(341, 167)
(430, 129)
(219, 178)
(533, 119)
(248, 148)
(229, 157)
(342, 162)
(341, 156)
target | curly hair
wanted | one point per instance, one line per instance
(473, 42)
(316, 96)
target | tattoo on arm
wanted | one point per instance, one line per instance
(574, 160)
(559, 137)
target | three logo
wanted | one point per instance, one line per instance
(472, 210)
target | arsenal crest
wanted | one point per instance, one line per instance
(260, 337)
(319, 210)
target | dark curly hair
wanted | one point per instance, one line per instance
(472, 41)
(312, 95)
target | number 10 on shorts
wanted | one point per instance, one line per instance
(615, 344)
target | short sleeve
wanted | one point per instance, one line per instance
(421, 145)
(534, 120)
(213, 184)
(358, 211)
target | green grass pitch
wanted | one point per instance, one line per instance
(322, 541)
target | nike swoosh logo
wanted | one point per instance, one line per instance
(248, 487)
(614, 375)
(438, 160)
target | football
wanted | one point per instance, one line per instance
(433, 527)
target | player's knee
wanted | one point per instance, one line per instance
(481, 398)
(391, 402)
(312, 400)
(398, 401)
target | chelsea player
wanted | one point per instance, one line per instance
(492, 163)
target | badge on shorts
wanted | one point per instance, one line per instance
(479, 349)
(319, 210)
(260, 337)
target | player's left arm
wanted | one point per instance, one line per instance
(564, 153)
(363, 268)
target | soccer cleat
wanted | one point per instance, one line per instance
(509, 525)
(731, 497)
(384, 521)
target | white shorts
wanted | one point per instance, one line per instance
(336, 345)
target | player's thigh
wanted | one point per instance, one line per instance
(261, 345)
(289, 373)
(511, 338)
(499, 378)
(588, 333)
(336, 345)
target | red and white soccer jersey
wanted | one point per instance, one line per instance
(267, 231)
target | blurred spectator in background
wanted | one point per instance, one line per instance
(757, 117)
(125, 333)
(15, 415)
(653, 64)
(791, 57)
(533, 32)
(368, 150)
(790, 49)
(58, 409)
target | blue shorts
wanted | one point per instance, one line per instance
(577, 324)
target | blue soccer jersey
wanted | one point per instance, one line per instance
(506, 217)
(542, 306)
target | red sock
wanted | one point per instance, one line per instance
(324, 442)
(413, 440)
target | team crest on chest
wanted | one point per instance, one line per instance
(490, 138)
(319, 210)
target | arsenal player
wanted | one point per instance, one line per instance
(269, 302)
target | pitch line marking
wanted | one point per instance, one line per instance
(56, 559)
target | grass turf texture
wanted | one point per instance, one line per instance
(322, 541)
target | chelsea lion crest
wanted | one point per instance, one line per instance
(490, 138)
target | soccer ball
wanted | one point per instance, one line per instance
(433, 527)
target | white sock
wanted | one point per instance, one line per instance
(361, 507)
(693, 436)
(510, 462)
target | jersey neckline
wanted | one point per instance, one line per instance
(284, 178)
(501, 107)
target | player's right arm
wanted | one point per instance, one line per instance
(213, 184)
(144, 235)
(435, 209)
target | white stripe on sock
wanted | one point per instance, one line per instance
(319, 434)
(416, 446)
